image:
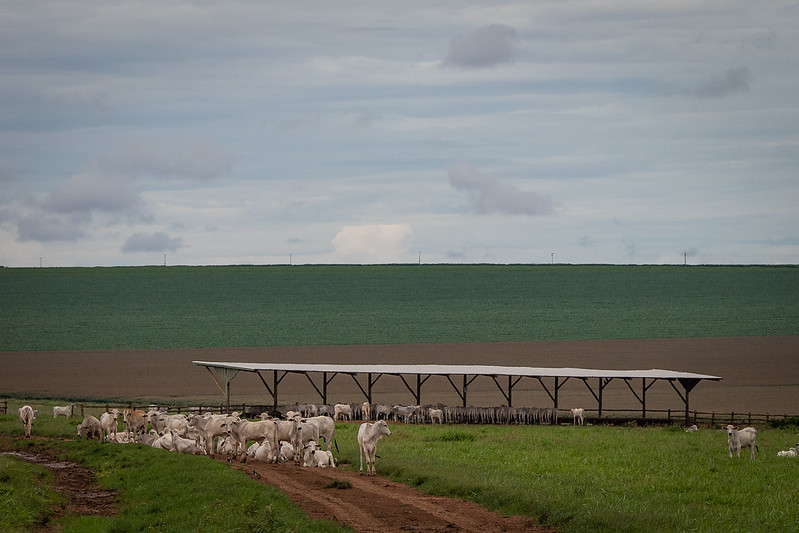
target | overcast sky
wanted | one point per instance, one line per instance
(375, 132)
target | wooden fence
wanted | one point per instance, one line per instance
(609, 416)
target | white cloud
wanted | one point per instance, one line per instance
(375, 243)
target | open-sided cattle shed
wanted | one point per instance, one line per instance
(460, 377)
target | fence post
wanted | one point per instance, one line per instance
(750, 419)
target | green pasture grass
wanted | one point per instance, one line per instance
(157, 490)
(575, 479)
(183, 307)
(579, 479)
(25, 495)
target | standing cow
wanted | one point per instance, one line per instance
(27, 414)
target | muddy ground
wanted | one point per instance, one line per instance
(760, 374)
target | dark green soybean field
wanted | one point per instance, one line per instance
(184, 307)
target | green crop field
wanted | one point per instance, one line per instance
(185, 307)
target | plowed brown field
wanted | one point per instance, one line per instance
(760, 374)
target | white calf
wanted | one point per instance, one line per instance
(578, 416)
(692, 429)
(366, 411)
(27, 414)
(368, 435)
(743, 438)
(66, 411)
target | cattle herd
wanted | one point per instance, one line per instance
(298, 432)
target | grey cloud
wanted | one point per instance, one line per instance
(488, 194)
(86, 193)
(48, 228)
(733, 80)
(194, 162)
(153, 242)
(484, 47)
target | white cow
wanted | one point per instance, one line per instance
(184, 445)
(342, 411)
(327, 428)
(287, 452)
(692, 429)
(27, 414)
(315, 456)
(109, 424)
(368, 435)
(242, 431)
(366, 411)
(135, 421)
(164, 442)
(578, 416)
(90, 428)
(436, 415)
(209, 427)
(743, 438)
(66, 411)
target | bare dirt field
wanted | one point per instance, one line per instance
(760, 374)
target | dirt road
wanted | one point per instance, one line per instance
(375, 504)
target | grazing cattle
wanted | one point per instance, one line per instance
(368, 435)
(692, 429)
(135, 421)
(242, 431)
(382, 412)
(27, 414)
(108, 423)
(408, 413)
(737, 439)
(436, 415)
(366, 411)
(326, 427)
(90, 428)
(209, 427)
(342, 411)
(578, 416)
(66, 411)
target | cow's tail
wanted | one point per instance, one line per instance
(335, 443)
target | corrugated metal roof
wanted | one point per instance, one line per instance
(482, 370)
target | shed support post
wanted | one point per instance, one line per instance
(274, 384)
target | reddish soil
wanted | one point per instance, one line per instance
(760, 374)
(375, 504)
